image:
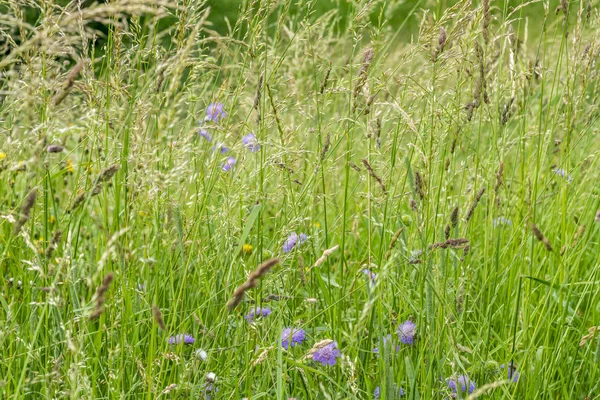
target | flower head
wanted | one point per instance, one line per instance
(502, 221)
(407, 331)
(204, 133)
(387, 340)
(370, 274)
(562, 173)
(221, 148)
(227, 165)
(209, 388)
(201, 355)
(327, 355)
(292, 337)
(398, 392)
(512, 372)
(292, 240)
(251, 143)
(413, 257)
(214, 112)
(182, 338)
(258, 312)
(247, 248)
(463, 382)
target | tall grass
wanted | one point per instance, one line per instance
(449, 179)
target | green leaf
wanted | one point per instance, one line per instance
(248, 227)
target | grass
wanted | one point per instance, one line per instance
(121, 229)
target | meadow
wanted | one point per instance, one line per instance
(310, 205)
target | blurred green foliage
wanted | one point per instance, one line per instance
(396, 13)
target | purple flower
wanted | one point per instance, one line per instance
(209, 389)
(258, 312)
(407, 331)
(386, 339)
(398, 392)
(370, 274)
(221, 147)
(182, 338)
(562, 173)
(502, 221)
(296, 335)
(227, 165)
(204, 133)
(292, 240)
(512, 374)
(251, 143)
(214, 112)
(327, 355)
(463, 381)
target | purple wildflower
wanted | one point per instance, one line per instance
(292, 240)
(221, 148)
(296, 335)
(182, 338)
(502, 221)
(327, 355)
(258, 312)
(407, 331)
(204, 133)
(463, 381)
(251, 143)
(512, 372)
(398, 392)
(227, 165)
(214, 112)
(370, 274)
(209, 389)
(562, 173)
(386, 339)
(414, 256)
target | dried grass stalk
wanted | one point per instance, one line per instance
(452, 243)
(540, 236)
(251, 282)
(475, 202)
(26, 210)
(388, 253)
(326, 253)
(100, 299)
(56, 238)
(104, 177)
(68, 85)
(158, 317)
(374, 175)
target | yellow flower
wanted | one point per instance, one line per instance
(2, 155)
(317, 224)
(142, 214)
(69, 166)
(52, 219)
(247, 248)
